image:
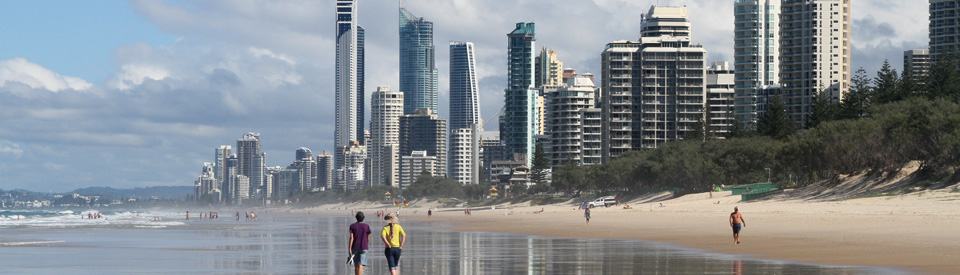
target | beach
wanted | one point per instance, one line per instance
(915, 232)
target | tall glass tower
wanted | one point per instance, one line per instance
(463, 86)
(518, 124)
(418, 71)
(349, 81)
(464, 115)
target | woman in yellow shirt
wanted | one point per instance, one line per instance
(393, 237)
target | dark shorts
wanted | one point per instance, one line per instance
(393, 257)
(736, 228)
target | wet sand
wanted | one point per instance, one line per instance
(917, 232)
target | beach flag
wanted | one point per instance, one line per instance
(396, 203)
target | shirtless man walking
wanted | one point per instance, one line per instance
(736, 220)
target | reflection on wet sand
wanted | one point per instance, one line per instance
(318, 246)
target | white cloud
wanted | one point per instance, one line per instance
(134, 74)
(8, 147)
(20, 70)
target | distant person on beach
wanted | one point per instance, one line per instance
(188, 215)
(586, 213)
(736, 220)
(359, 240)
(430, 214)
(238, 215)
(393, 237)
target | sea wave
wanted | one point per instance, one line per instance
(71, 219)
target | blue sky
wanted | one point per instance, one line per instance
(73, 37)
(139, 93)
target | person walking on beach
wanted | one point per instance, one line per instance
(359, 240)
(429, 214)
(393, 237)
(586, 213)
(736, 220)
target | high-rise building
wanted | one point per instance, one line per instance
(756, 54)
(221, 155)
(814, 53)
(491, 150)
(549, 70)
(243, 189)
(916, 65)
(205, 185)
(229, 186)
(325, 171)
(415, 164)
(418, 70)
(306, 167)
(654, 89)
(464, 108)
(250, 162)
(350, 176)
(303, 153)
(425, 131)
(464, 115)
(720, 99)
(518, 124)
(349, 79)
(591, 137)
(944, 20)
(564, 122)
(385, 111)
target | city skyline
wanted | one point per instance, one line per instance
(165, 102)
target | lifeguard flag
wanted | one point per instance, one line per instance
(396, 203)
(405, 203)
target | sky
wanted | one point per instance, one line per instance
(139, 93)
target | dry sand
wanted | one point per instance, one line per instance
(919, 232)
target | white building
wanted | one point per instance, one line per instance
(564, 125)
(654, 89)
(756, 54)
(350, 176)
(720, 98)
(591, 140)
(413, 165)
(385, 111)
(814, 53)
(916, 65)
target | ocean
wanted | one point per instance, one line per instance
(132, 242)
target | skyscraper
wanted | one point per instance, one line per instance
(385, 111)
(814, 53)
(518, 124)
(654, 88)
(756, 54)
(349, 79)
(425, 131)
(249, 162)
(418, 71)
(464, 114)
(944, 20)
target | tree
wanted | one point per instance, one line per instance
(701, 129)
(824, 109)
(943, 81)
(739, 130)
(774, 122)
(887, 86)
(856, 103)
(538, 173)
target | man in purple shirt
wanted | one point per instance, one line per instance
(359, 238)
